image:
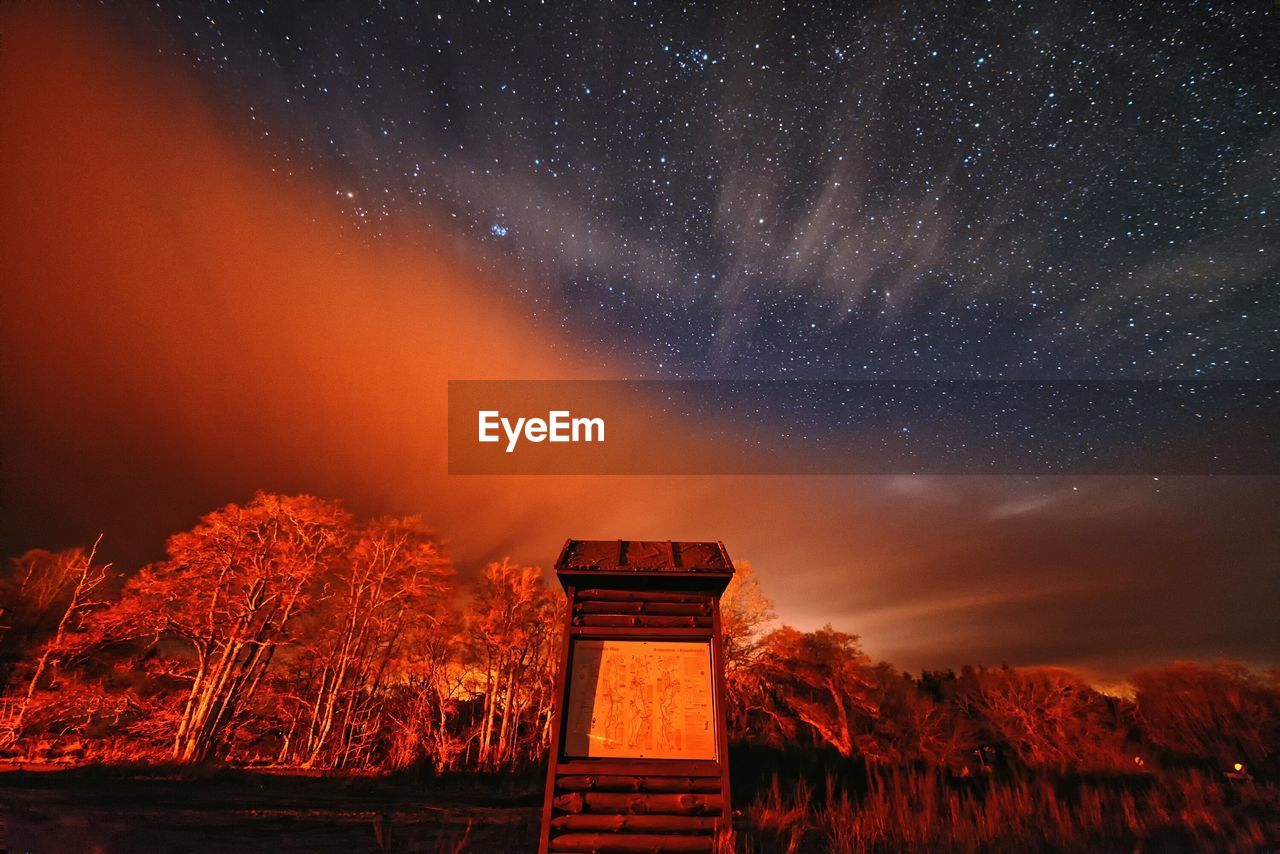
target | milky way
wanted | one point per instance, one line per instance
(991, 190)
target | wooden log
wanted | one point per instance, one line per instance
(639, 621)
(639, 803)
(665, 609)
(574, 802)
(639, 596)
(643, 767)
(643, 631)
(634, 823)
(630, 843)
(636, 783)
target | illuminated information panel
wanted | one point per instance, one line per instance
(640, 700)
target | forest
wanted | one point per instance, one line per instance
(285, 633)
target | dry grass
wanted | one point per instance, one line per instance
(903, 810)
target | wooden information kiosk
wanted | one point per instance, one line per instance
(639, 748)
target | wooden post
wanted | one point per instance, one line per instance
(717, 651)
(556, 723)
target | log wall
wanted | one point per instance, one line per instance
(635, 813)
(643, 609)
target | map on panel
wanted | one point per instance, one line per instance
(640, 700)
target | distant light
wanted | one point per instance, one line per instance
(498, 230)
(1239, 766)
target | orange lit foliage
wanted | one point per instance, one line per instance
(282, 632)
(424, 706)
(1223, 712)
(905, 809)
(285, 632)
(227, 594)
(819, 681)
(1045, 718)
(744, 613)
(388, 589)
(515, 626)
(917, 725)
(46, 599)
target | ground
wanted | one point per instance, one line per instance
(121, 810)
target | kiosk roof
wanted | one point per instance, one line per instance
(643, 556)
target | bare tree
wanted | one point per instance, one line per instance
(47, 578)
(1044, 717)
(745, 612)
(821, 680)
(512, 637)
(229, 590)
(394, 578)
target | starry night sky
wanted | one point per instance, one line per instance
(963, 190)
(255, 241)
